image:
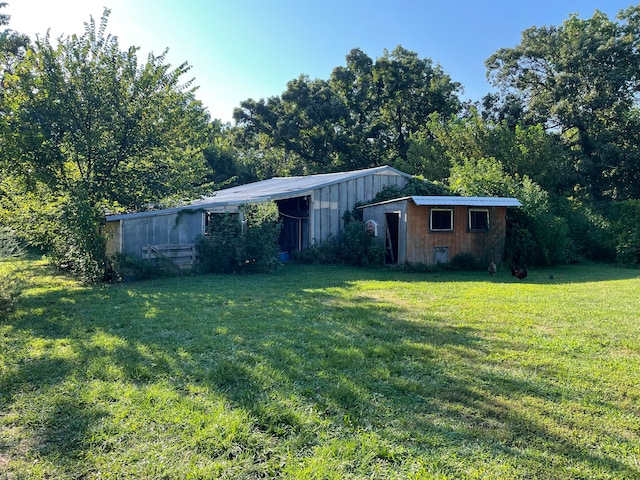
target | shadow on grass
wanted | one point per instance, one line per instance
(304, 361)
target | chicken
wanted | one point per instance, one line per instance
(492, 269)
(519, 273)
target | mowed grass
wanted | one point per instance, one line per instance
(324, 372)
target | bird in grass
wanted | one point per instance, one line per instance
(519, 273)
(492, 269)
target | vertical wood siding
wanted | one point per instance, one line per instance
(484, 246)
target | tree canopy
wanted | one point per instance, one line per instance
(581, 79)
(98, 130)
(362, 116)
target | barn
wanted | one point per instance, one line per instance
(311, 209)
(434, 229)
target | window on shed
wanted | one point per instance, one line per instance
(478, 220)
(441, 219)
(217, 222)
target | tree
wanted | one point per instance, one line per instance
(535, 235)
(582, 79)
(302, 121)
(409, 90)
(102, 132)
(13, 46)
(363, 116)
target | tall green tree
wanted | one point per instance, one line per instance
(101, 130)
(409, 89)
(301, 121)
(582, 79)
(362, 116)
(13, 46)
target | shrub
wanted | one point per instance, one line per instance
(242, 242)
(127, 268)
(415, 186)
(11, 287)
(464, 262)
(352, 246)
(625, 230)
(10, 246)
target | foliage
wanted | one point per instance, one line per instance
(324, 372)
(127, 268)
(259, 239)
(10, 246)
(580, 79)
(241, 242)
(100, 131)
(415, 186)
(363, 116)
(218, 247)
(535, 235)
(11, 287)
(625, 229)
(465, 262)
(352, 246)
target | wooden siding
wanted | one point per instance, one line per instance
(422, 242)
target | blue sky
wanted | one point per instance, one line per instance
(243, 49)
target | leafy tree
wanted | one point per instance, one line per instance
(409, 90)
(13, 46)
(535, 235)
(363, 116)
(100, 130)
(301, 121)
(581, 79)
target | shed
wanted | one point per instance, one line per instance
(311, 208)
(434, 229)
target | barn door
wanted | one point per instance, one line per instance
(391, 238)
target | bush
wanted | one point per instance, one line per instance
(127, 268)
(625, 230)
(10, 246)
(243, 242)
(589, 232)
(464, 262)
(11, 287)
(352, 246)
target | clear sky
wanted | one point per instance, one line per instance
(243, 49)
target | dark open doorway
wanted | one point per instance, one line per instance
(391, 238)
(294, 215)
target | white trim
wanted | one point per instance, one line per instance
(431, 210)
(474, 209)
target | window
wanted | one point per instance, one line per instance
(441, 219)
(478, 220)
(214, 222)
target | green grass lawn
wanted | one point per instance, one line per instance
(324, 372)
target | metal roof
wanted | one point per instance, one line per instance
(276, 188)
(453, 201)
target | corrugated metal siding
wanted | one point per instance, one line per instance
(329, 203)
(378, 213)
(160, 230)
